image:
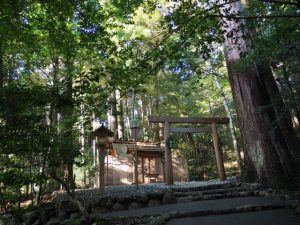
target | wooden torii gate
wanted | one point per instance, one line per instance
(167, 120)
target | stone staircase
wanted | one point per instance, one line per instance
(202, 204)
(230, 190)
(190, 203)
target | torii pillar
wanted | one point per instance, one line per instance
(168, 155)
(218, 152)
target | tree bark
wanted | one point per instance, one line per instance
(283, 116)
(190, 138)
(291, 95)
(266, 153)
(68, 121)
(114, 115)
(120, 115)
(1, 64)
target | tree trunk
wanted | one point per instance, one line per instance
(1, 64)
(82, 139)
(283, 116)
(291, 95)
(68, 122)
(231, 126)
(127, 118)
(266, 154)
(159, 127)
(120, 116)
(114, 115)
(190, 138)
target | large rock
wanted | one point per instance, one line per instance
(5, 218)
(53, 221)
(135, 205)
(62, 216)
(140, 197)
(30, 217)
(245, 193)
(46, 212)
(38, 222)
(156, 194)
(256, 186)
(107, 202)
(75, 215)
(185, 199)
(169, 197)
(11, 219)
(68, 206)
(297, 210)
(118, 206)
(154, 202)
(293, 203)
(88, 206)
(125, 199)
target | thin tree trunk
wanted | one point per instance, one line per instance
(143, 110)
(120, 116)
(41, 180)
(82, 139)
(133, 107)
(1, 63)
(114, 115)
(3, 202)
(127, 117)
(231, 126)
(159, 127)
(67, 114)
(191, 140)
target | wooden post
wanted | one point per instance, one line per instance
(168, 155)
(101, 169)
(107, 165)
(143, 168)
(136, 175)
(219, 156)
(162, 160)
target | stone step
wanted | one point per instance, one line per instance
(207, 187)
(265, 217)
(164, 217)
(223, 191)
(209, 192)
(188, 194)
(215, 204)
(213, 196)
(239, 209)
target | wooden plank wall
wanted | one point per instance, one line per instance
(120, 169)
(180, 169)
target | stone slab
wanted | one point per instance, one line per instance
(272, 217)
(193, 206)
